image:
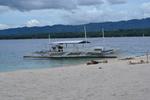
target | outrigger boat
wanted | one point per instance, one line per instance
(73, 49)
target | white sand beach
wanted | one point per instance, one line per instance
(116, 80)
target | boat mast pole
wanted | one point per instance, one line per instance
(49, 41)
(103, 37)
(85, 35)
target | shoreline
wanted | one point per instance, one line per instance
(116, 80)
(70, 65)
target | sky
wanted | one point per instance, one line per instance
(20, 13)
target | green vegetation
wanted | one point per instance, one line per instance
(116, 33)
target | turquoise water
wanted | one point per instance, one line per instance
(12, 51)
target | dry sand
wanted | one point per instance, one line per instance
(117, 80)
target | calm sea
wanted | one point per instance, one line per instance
(12, 51)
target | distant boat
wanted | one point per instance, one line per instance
(73, 49)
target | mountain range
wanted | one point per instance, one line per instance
(28, 32)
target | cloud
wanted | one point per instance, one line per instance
(3, 26)
(27, 5)
(94, 14)
(50, 12)
(90, 2)
(146, 7)
(3, 9)
(32, 22)
(117, 1)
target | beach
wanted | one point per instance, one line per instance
(115, 80)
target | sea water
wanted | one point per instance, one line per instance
(12, 51)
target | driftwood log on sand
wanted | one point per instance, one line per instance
(96, 62)
(137, 62)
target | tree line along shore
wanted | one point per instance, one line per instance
(114, 33)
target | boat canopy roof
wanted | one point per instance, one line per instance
(71, 42)
(98, 47)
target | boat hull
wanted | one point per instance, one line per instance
(61, 57)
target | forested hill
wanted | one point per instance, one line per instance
(134, 27)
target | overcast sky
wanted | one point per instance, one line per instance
(19, 13)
